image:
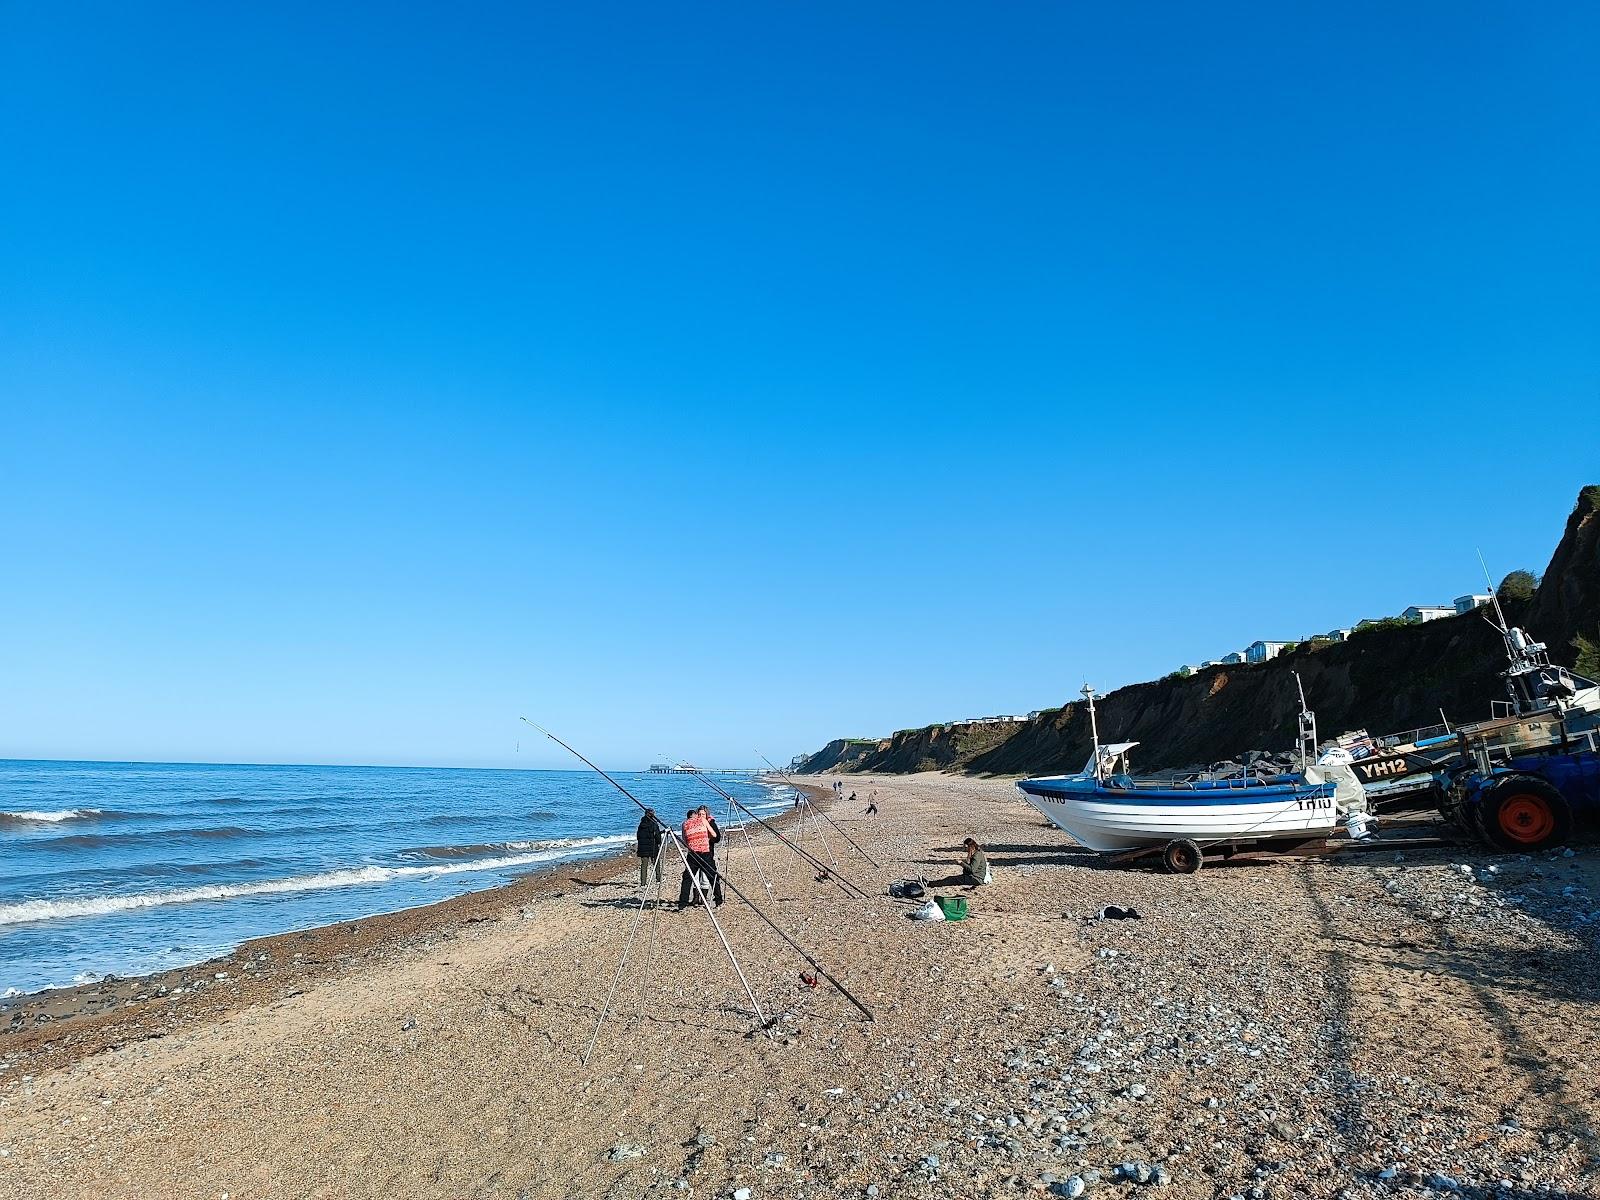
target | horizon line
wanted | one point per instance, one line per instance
(160, 762)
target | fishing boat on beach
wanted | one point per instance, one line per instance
(1105, 808)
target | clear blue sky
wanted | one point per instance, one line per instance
(704, 379)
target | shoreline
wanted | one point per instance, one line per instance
(53, 1027)
(1341, 1028)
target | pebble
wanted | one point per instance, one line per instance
(623, 1151)
(741, 1193)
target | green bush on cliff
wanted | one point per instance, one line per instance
(1587, 663)
(1519, 585)
(1386, 623)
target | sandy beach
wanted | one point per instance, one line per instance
(1353, 1026)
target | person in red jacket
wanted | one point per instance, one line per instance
(696, 835)
(700, 837)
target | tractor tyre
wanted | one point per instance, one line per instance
(1523, 813)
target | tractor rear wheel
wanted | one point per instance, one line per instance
(1524, 813)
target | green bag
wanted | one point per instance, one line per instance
(953, 907)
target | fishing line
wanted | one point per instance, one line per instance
(816, 863)
(785, 777)
(693, 875)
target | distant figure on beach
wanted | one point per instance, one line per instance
(974, 868)
(647, 845)
(872, 803)
(852, 797)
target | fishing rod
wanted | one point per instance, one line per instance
(832, 872)
(755, 853)
(801, 951)
(706, 900)
(784, 776)
(765, 1023)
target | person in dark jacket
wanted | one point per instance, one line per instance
(716, 840)
(647, 845)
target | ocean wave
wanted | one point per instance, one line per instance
(90, 906)
(97, 841)
(482, 849)
(452, 819)
(48, 817)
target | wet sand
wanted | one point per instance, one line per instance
(1267, 1028)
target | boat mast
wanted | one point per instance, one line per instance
(1094, 730)
(1308, 727)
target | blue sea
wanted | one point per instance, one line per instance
(128, 868)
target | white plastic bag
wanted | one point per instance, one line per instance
(928, 912)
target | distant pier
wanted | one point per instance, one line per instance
(691, 769)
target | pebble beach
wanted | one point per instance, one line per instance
(1416, 1023)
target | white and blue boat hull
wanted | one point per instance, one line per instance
(1108, 818)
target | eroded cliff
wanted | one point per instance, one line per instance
(1384, 679)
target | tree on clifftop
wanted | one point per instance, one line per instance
(1518, 585)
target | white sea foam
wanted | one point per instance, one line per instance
(91, 906)
(50, 817)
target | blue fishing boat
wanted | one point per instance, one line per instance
(1104, 807)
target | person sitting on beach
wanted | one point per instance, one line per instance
(647, 845)
(974, 868)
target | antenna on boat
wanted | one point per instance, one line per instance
(1500, 613)
(1094, 728)
(1527, 658)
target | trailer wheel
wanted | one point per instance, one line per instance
(1523, 813)
(1182, 857)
